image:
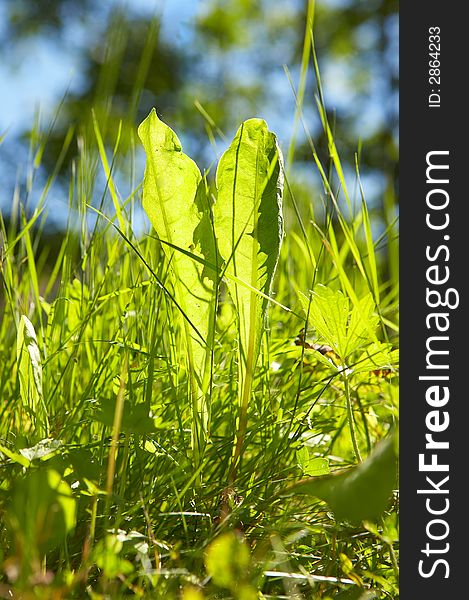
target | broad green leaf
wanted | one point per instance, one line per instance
(227, 560)
(361, 492)
(362, 321)
(178, 206)
(249, 226)
(345, 329)
(175, 201)
(42, 510)
(311, 465)
(30, 376)
(376, 356)
(328, 314)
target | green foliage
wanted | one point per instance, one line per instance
(345, 330)
(361, 492)
(310, 465)
(176, 201)
(249, 226)
(41, 513)
(249, 229)
(159, 438)
(228, 561)
(174, 198)
(30, 377)
(107, 557)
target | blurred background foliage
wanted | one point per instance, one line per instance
(206, 65)
(73, 72)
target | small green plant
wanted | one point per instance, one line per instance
(239, 241)
(350, 334)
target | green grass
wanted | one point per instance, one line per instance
(103, 493)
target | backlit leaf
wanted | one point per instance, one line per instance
(30, 376)
(311, 465)
(361, 492)
(328, 314)
(362, 322)
(249, 225)
(345, 330)
(179, 209)
(42, 510)
(227, 560)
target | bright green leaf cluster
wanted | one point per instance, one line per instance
(345, 329)
(240, 240)
(361, 492)
(310, 465)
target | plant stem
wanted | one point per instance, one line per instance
(246, 383)
(350, 418)
(116, 428)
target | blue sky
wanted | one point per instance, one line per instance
(35, 73)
